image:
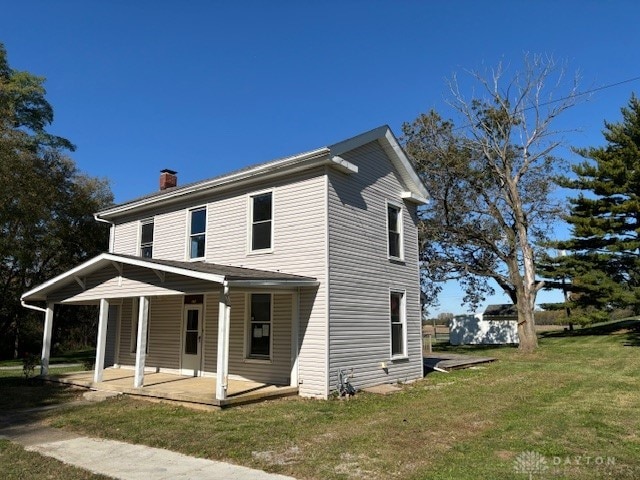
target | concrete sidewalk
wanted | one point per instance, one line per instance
(119, 459)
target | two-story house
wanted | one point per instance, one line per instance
(284, 273)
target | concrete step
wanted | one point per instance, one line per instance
(99, 395)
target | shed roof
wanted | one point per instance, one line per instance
(501, 310)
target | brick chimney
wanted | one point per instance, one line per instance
(168, 179)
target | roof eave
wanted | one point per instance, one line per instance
(277, 168)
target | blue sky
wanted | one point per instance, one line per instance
(204, 87)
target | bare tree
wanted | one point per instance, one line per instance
(491, 180)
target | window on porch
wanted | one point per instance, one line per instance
(260, 332)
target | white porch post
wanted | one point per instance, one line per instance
(103, 320)
(141, 342)
(295, 329)
(46, 340)
(222, 368)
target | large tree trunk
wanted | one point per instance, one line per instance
(525, 305)
(526, 329)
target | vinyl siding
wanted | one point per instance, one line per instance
(112, 336)
(361, 275)
(165, 332)
(125, 240)
(299, 247)
(169, 234)
(127, 316)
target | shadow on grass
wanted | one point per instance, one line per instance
(468, 349)
(18, 393)
(630, 328)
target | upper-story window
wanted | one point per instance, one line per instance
(146, 238)
(261, 221)
(197, 232)
(394, 228)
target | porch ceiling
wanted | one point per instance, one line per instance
(208, 272)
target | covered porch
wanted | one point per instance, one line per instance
(196, 391)
(190, 359)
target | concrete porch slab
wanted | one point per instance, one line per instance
(178, 388)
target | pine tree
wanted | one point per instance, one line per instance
(604, 250)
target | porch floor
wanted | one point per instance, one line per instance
(177, 388)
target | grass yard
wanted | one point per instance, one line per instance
(19, 464)
(78, 356)
(16, 392)
(575, 402)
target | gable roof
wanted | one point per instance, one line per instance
(212, 272)
(329, 155)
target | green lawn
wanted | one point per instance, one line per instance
(16, 392)
(575, 402)
(79, 356)
(18, 464)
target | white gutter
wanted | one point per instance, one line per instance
(32, 307)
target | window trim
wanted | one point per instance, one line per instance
(403, 321)
(250, 197)
(141, 245)
(391, 204)
(246, 354)
(190, 235)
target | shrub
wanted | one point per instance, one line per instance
(29, 363)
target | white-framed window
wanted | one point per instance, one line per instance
(394, 230)
(398, 317)
(261, 216)
(197, 232)
(259, 332)
(135, 311)
(146, 238)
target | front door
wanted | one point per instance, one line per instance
(192, 340)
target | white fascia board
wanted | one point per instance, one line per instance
(358, 141)
(284, 166)
(412, 197)
(394, 151)
(107, 259)
(409, 173)
(68, 275)
(273, 283)
(343, 165)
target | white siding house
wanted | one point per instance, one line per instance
(283, 273)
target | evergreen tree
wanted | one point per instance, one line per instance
(604, 250)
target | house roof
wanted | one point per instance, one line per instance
(329, 155)
(234, 276)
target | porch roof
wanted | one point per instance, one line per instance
(231, 275)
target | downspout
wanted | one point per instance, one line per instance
(111, 230)
(32, 307)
